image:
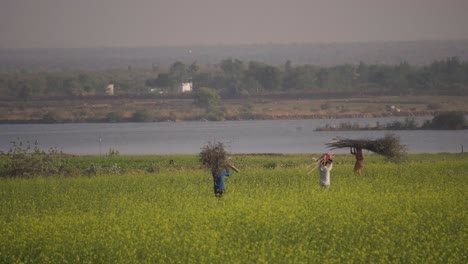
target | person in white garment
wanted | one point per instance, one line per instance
(325, 166)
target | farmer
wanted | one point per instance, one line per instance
(218, 181)
(357, 152)
(325, 166)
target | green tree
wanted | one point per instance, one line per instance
(206, 98)
(86, 81)
(233, 68)
(193, 69)
(233, 77)
(269, 77)
(163, 80)
(300, 78)
(178, 73)
(73, 87)
(25, 90)
(340, 77)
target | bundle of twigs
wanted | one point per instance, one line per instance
(388, 146)
(215, 157)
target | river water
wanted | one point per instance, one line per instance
(266, 136)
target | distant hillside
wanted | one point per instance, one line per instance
(414, 52)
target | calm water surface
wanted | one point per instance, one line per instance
(269, 136)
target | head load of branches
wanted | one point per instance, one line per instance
(214, 156)
(388, 146)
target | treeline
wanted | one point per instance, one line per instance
(450, 120)
(232, 77)
(24, 85)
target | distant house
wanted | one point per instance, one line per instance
(110, 89)
(186, 87)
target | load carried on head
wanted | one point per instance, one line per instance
(388, 146)
(214, 156)
(325, 159)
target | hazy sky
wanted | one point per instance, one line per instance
(102, 23)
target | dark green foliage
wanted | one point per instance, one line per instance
(114, 117)
(153, 168)
(269, 77)
(408, 124)
(233, 77)
(24, 160)
(270, 165)
(215, 115)
(92, 169)
(52, 118)
(141, 116)
(206, 98)
(163, 80)
(448, 120)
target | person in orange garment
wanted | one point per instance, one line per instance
(357, 152)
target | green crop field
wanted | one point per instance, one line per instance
(274, 211)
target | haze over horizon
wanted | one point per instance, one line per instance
(145, 23)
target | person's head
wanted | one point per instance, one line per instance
(326, 159)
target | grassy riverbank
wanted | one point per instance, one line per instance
(121, 109)
(273, 212)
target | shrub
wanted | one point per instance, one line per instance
(448, 120)
(270, 165)
(26, 161)
(114, 117)
(92, 169)
(153, 168)
(141, 116)
(206, 98)
(215, 116)
(52, 118)
(114, 169)
(112, 152)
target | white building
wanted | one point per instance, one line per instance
(110, 89)
(186, 87)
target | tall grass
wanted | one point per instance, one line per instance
(410, 212)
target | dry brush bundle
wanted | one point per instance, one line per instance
(388, 146)
(215, 157)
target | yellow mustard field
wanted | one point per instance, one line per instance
(273, 211)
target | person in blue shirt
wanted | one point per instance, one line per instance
(218, 181)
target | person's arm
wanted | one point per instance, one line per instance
(321, 167)
(351, 151)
